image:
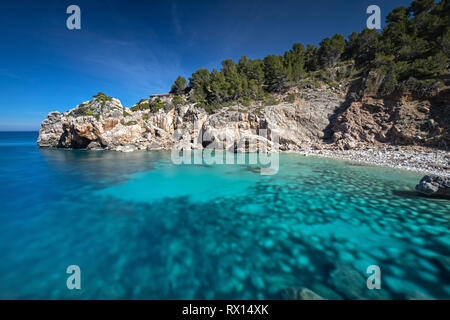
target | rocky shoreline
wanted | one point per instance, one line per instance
(418, 159)
(403, 132)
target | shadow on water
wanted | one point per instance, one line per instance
(441, 197)
(406, 194)
(417, 195)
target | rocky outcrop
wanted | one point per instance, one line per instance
(434, 185)
(401, 120)
(51, 131)
(318, 118)
(103, 123)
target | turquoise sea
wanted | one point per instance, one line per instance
(140, 227)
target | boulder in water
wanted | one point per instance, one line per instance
(434, 185)
(349, 282)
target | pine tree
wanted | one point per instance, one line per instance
(295, 62)
(179, 86)
(275, 74)
(413, 49)
(419, 6)
(252, 75)
(233, 79)
(218, 93)
(362, 47)
(199, 83)
(311, 58)
(331, 50)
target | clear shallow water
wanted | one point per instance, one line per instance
(140, 227)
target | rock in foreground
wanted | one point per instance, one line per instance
(300, 294)
(434, 185)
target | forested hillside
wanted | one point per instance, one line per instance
(411, 54)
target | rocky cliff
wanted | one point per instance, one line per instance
(401, 119)
(313, 117)
(103, 123)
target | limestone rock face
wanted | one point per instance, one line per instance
(317, 118)
(403, 120)
(103, 123)
(225, 128)
(51, 131)
(304, 122)
(433, 185)
(127, 148)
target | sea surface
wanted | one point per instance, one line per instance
(141, 227)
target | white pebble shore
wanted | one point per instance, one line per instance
(424, 160)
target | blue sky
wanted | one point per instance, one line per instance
(130, 49)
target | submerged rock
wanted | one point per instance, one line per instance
(326, 292)
(348, 282)
(300, 294)
(415, 295)
(434, 185)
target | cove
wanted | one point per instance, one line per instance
(140, 227)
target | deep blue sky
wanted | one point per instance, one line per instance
(130, 49)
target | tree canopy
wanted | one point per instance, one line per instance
(413, 47)
(179, 86)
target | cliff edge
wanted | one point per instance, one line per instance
(298, 118)
(323, 117)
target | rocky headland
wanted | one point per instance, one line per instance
(402, 131)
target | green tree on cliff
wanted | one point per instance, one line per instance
(413, 48)
(275, 75)
(235, 83)
(252, 73)
(331, 50)
(362, 47)
(179, 86)
(295, 61)
(218, 86)
(311, 58)
(199, 82)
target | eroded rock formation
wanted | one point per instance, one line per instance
(434, 185)
(400, 120)
(103, 123)
(320, 118)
